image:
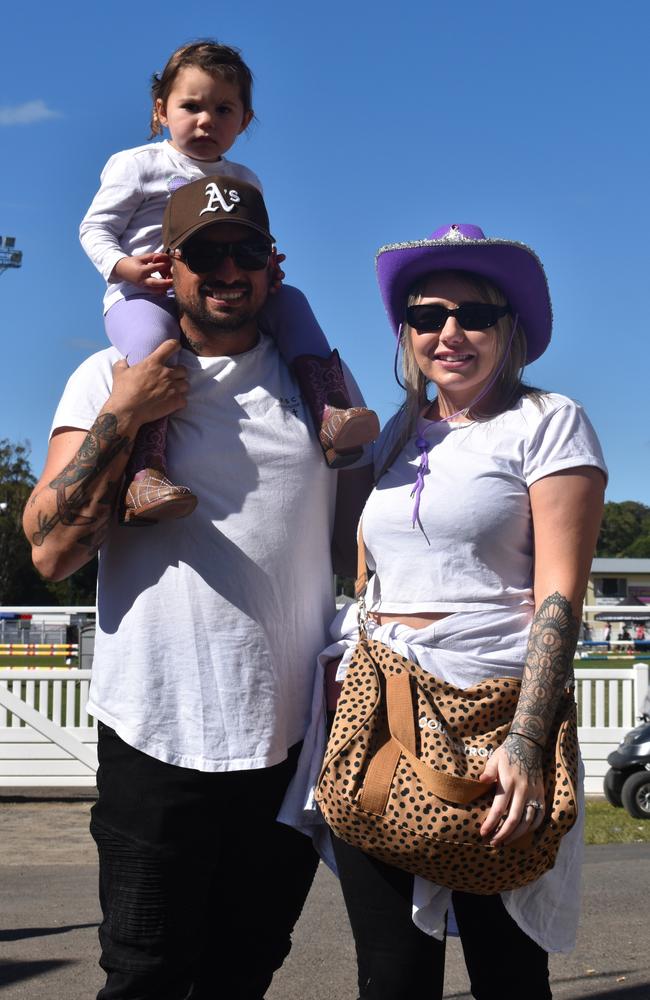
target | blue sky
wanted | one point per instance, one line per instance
(376, 123)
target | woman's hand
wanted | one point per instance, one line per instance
(140, 270)
(517, 769)
(276, 273)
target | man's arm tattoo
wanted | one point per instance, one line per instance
(547, 670)
(99, 448)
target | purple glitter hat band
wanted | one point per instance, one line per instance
(512, 267)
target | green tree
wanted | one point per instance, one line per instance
(625, 530)
(19, 581)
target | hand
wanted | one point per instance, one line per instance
(150, 389)
(517, 769)
(275, 271)
(140, 271)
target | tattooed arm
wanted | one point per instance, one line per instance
(566, 510)
(67, 516)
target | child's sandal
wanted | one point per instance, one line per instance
(151, 497)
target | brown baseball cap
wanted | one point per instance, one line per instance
(209, 201)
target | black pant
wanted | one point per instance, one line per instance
(194, 873)
(397, 961)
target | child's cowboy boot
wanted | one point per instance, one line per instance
(150, 495)
(342, 429)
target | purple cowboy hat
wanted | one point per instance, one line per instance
(513, 267)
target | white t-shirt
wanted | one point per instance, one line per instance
(473, 546)
(208, 627)
(125, 216)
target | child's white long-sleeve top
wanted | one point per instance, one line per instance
(125, 217)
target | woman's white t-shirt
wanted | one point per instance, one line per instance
(473, 547)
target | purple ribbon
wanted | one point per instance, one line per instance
(419, 482)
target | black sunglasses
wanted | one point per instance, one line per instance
(470, 315)
(202, 256)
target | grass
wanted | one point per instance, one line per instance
(601, 661)
(606, 825)
(20, 662)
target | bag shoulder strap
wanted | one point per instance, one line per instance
(401, 743)
(361, 583)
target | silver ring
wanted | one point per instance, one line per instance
(534, 804)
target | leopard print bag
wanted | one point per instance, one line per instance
(399, 778)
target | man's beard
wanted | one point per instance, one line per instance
(196, 310)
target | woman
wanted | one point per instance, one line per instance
(481, 529)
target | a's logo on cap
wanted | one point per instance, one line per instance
(217, 199)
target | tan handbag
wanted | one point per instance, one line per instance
(399, 778)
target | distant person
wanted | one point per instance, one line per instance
(608, 636)
(207, 628)
(204, 98)
(640, 632)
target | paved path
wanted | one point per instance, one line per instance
(49, 916)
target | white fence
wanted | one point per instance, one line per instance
(610, 701)
(47, 737)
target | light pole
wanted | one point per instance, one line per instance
(9, 256)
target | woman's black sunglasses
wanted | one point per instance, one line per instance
(470, 315)
(203, 256)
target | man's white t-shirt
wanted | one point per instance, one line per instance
(208, 626)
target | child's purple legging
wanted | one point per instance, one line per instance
(138, 325)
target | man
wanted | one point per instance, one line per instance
(207, 626)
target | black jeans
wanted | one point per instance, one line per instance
(397, 961)
(194, 872)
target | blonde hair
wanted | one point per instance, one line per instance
(508, 388)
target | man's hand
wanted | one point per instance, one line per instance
(140, 270)
(68, 514)
(150, 389)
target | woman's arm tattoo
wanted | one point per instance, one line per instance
(99, 448)
(547, 671)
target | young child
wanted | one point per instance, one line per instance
(204, 98)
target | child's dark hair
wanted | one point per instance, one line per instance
(208, 55)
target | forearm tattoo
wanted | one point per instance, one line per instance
(547, 670)
(99, 448)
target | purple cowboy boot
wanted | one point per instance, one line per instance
(342, 429)
(150, 495)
